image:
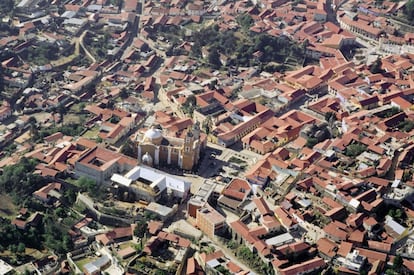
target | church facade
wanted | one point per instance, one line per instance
(155, 149)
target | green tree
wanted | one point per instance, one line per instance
(86, 184)
(214, 58)
(311, 141)
(140, 229)
(329, 116)
(376, 66)
(13, 248)
(19, 181)
(123, 93)
(60, 212)
(245, 21)
(393, 111)
(128, 149)
(406, 125)
(6, 6)
(355, 149)
(21, 248)
(399, 213)
(189, 105)
(397, 262)
(232, 244)
(409, 10)
(34, 132)
(111, 104)
(207, 125)
(407, 175)
(69, 196)
(222, 270)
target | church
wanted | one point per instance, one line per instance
(156, 149)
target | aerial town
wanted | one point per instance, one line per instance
(206, 137)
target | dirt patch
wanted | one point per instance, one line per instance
(7, 208)
(71, 119)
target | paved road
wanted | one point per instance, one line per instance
(153, 46)
(115, 268)
(246, 155)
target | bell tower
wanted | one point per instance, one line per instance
(191, 147)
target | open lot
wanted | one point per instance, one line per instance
(7, 207)
(71, 119)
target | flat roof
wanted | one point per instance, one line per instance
(117, 178)
(211, 215)
(5, 267)
(182, 227)
(158, 178)
(280, 239)
(203, 193)
(161, 210)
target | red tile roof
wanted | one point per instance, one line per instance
(262, 206)
(180, 241)
(241, 229)
(372, 256)
(237, 189)
(327, 247)
(304, 267)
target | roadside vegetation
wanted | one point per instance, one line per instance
(249, 258)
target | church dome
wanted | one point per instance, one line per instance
(147, 159)
(153, 134)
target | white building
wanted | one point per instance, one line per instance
(149, 183)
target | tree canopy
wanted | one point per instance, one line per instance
(409, 10)
(86, 184)
(245, 21)
(18, 180)
(376, 66)
(6, 6)
(240, 46)
(214, 58)
(355, 149)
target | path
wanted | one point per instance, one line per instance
(85, 50)
(78, 41)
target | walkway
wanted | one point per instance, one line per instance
(85, 50)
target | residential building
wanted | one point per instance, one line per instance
(210, 221)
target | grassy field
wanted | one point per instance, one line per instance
(7, 208)
(92, 133)
(77, 108)
(84, 261)
(126, 244)
(36, 254)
